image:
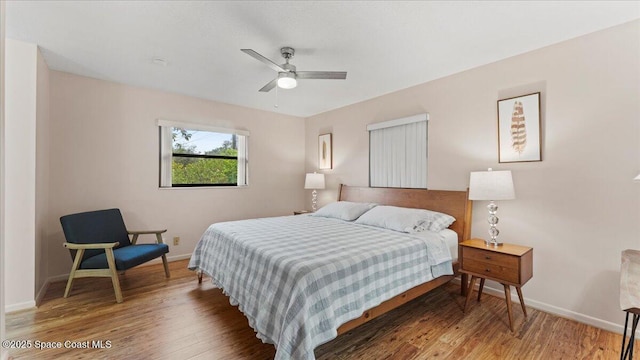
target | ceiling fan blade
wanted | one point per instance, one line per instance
(338, 75)
(270, 85)
(259, 57)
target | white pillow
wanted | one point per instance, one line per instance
(404, 219)
(396, 218)
(440, 221)
(345, 210)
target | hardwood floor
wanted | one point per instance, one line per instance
(178, 319)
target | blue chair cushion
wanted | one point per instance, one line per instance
(127, 257)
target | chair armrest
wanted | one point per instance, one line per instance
(138, 233)
(91, 246)
(142, 232)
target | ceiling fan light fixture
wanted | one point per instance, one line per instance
(287, 73)
(287, 80)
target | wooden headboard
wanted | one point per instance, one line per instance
(454, 203)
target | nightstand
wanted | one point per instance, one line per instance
(300, 212)
(508, 264)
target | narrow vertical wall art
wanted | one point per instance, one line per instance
(519, 129)
(325, 153)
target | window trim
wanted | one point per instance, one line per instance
(202, 127)
(166, 154)
(398, 122)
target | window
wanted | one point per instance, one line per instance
(398, 152)
(198, 155)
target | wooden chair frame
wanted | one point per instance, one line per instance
(111, 271)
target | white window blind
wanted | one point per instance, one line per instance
(398, 152)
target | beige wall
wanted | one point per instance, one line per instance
(20, 178)
(578, 208)
(104, 153)
(42, 175)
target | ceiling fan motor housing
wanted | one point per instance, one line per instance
(287, 52)
(289, 67)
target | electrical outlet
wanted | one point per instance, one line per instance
(176, 240)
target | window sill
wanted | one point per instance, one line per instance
(202, 187)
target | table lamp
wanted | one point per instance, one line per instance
(491, 185)
(314, 181)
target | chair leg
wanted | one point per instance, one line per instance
(114, 274)
(166, 266)
(632, 338)
(200, 277)
(628, 352)
(624, 335)
(72, 274)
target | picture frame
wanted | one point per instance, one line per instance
(325, 152)
(519, 129)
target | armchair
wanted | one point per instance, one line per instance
(100, 247)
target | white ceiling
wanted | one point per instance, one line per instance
(384, 46)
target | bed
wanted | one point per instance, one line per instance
(303, 280)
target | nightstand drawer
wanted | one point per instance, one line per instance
(491, 270)
(481, 255)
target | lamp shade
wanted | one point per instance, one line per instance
(287, 80)
(637, 178)
(491, 185)
(314, 181)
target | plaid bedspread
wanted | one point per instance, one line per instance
(298, 278)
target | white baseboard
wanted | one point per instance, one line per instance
(179, 257)
(9, 308)
(61, 277)
(43, 290)
(169, 259)
(558, 311)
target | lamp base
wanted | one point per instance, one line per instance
(491, 243)
(314, 200)
(493, 221)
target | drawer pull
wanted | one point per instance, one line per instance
(487, 270)
(366, 315)
(487, 257)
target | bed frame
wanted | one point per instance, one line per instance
(454, 203)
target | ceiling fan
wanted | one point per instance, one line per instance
(287, 73)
